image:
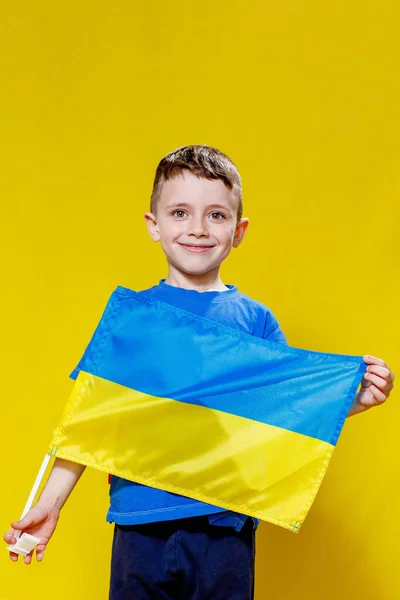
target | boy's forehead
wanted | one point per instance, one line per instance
(189, 189)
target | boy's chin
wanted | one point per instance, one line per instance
(193, 269)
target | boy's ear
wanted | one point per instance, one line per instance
(151, 222)
(240, 231)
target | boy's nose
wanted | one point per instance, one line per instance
(197, 228)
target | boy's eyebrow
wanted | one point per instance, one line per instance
(188, 205)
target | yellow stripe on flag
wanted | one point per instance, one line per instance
(230, 461)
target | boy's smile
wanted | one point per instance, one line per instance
(196, 223)
(196, 248)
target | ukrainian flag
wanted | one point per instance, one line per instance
(178, 402)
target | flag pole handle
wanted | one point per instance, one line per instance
(34, 490)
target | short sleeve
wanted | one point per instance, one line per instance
(272, 330)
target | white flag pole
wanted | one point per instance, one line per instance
(27, 508)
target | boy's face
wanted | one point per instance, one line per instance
(196, 223)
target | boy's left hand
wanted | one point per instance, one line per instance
(376, 384)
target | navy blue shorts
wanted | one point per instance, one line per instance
(182, 559)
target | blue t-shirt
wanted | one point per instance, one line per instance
(133, 503)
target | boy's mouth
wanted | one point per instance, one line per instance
(196, 248)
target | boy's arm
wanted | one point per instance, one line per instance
(64, 475)
(376, 386)
(42, 518)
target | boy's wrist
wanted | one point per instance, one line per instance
(356, 407)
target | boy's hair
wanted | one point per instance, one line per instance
(203, 161)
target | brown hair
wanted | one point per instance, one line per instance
(203, 161)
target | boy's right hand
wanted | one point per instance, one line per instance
(40, 521)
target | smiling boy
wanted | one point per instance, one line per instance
(197, 222)
(168, 546)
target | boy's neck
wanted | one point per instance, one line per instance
(200, 283)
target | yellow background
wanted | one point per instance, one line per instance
(304, 97)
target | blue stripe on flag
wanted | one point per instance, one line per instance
(164, 351)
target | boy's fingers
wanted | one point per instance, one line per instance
(380, 383)
(9, 537)
(380, 396)
(373, 360)
(40, 548)
(382, 371)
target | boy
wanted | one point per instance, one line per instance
(168, 546)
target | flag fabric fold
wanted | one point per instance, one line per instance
(179, 402)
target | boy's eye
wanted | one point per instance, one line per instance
(179, 213)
